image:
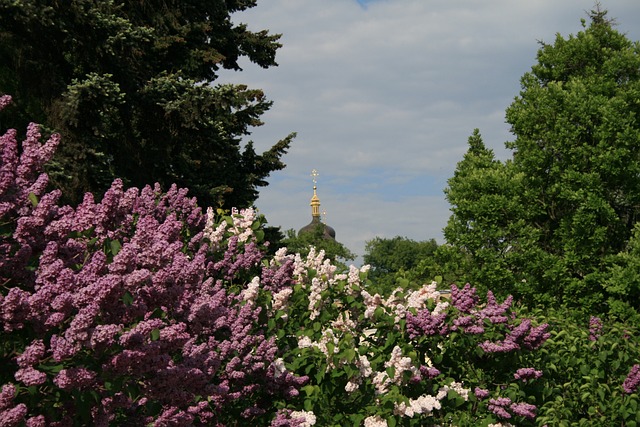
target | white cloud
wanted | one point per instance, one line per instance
(384, 97)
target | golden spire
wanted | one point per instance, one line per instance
(315, 200)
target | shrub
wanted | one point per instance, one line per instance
(128, 309)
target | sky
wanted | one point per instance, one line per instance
(384, 94)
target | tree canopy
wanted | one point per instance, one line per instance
(398, 258)
(128, 84)
(549, 223)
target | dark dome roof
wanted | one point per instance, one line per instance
(328, 233)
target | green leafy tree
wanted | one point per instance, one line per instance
(398, 258)
(567, 202)
(129, 86)
(622, 283)
(489, 240)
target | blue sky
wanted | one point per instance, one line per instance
(384, 94)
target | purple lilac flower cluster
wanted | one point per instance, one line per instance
(465, 299)
(481, 393)
(631, 383)
(426, 323)
(472, 322)
(502, 405)
(526, 374)
(522, 336)
(126, 292)
(470, 319)
(595, 328)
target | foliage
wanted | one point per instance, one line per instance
(487, 232)
(622, 283)
(302, 243)
(129, 86)
(586, 364)
(398, 258)
(548, 224)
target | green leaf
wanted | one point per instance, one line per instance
(115, 247)
(33, 199)
(155, 334)
(308, 405)
(127, 298)
(309, 389)
(350, 354)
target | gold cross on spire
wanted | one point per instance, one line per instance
(314, 175)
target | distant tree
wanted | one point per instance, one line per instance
(301, 243)
(128, 84)
(553, 219)
(398, 258)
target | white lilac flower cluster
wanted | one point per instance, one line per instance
(365, 372)
(455, 386)
(400, 364)
(375, 421)
(308, 418)
(241, 226)
(401, 300)
(250, 293)
(424, 404)
(214, 233)
(327, 337)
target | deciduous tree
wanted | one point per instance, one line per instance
(567, 202)
(398, 257)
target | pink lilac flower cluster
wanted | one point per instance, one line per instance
(522, 336)
(129, 293)
(595, 328)
(526, 374)
(472, 320)
(631, 383)
(4, 101)
(481, 393)
(502, 405)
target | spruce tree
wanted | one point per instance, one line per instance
(131, 86)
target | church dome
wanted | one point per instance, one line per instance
(327, 232)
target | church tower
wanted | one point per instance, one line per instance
(328, 232)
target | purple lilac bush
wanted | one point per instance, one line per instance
(128, 310)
